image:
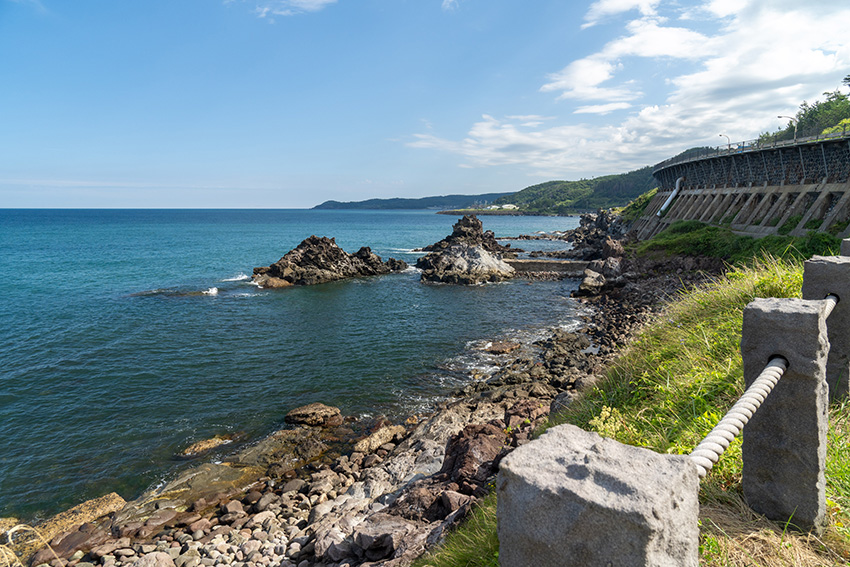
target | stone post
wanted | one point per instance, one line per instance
(824, 275)
(574, 498)
(784, 450)
(845, 247)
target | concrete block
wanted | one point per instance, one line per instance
(784, 450)
(572, 497)
(825, 275)
(845, 247)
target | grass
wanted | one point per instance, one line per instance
(474, 545)
(789, 225)
(699, 239)
(8, 550)
(635, 209)
(665, 392)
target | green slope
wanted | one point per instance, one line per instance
(564, 197)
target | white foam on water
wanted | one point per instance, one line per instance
(211, 291)
(237, 278)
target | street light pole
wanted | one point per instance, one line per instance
(794, 120)
(728, 141)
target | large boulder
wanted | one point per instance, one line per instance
(469, 230)
(319, 260)
(463, 264)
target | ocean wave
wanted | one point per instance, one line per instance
(211, 291)
(237, 278)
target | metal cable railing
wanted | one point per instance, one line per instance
(707, 453)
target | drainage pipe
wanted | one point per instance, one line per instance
(671, 197)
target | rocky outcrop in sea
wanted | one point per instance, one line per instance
(470, 231)
(319, 260)
(467, 256)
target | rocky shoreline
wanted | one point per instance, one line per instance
(326, 492)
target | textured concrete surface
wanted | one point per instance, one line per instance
(784, 450)
(572, 497)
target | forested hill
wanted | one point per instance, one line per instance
(565, 197)
(441, 202)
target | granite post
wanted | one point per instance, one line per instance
(784, 445)
(824, 275)
(572, 497)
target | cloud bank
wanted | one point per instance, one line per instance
(738, 65)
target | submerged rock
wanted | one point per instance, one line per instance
(319, 260)
(205, 445)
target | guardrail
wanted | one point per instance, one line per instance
(748, 146)
(572, 497)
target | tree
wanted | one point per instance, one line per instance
(846, 80)
(814, 118)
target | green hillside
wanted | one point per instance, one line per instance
(565, 197)
(441, 202)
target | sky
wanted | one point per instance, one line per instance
(288, 103)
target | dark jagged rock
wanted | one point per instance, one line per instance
(319, 260)
(467, 256)
(469, 230)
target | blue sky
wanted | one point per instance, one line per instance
(287, 103)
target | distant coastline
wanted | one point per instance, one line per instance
(437, 203)
(499, 212)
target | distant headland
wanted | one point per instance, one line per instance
(437, 203)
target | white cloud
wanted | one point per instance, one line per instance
(582, 79)
(602, 108)
(604, 8)
(271, 8)
(551, 151)
(449, 4)
(762, 59)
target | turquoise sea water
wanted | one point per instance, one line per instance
(126, 335)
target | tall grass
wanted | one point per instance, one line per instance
(696, 238)
(672, 385)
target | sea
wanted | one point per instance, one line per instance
(126, 335)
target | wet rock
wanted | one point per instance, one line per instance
(311, 414)
(205, 445)
(319, 260)
(502, 347)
